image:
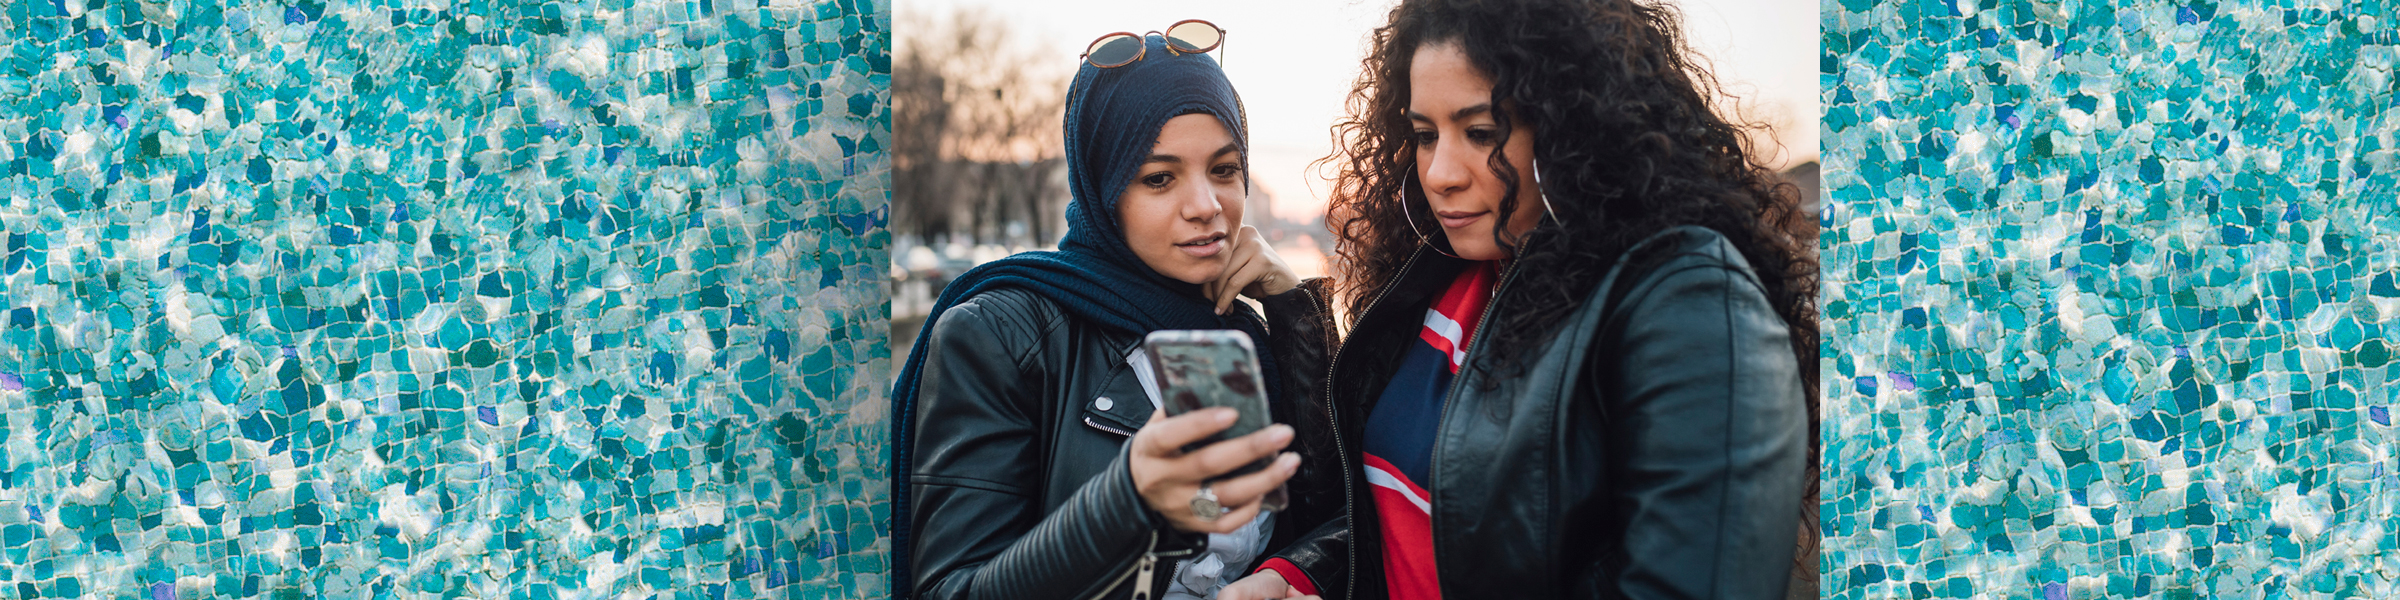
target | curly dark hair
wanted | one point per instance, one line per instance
(1632, 147)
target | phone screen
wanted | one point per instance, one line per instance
(1214, 367)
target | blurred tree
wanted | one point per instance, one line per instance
(976, 131)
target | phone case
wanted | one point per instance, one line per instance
(1213, 367)
(1203, 368)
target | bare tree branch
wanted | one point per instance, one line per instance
(976, 130)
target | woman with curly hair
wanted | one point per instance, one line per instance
(1582, 351)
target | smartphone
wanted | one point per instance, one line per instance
(1197, 369)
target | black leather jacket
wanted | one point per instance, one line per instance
(1653, 448)
(1020, 485)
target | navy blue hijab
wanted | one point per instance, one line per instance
(1112, 122)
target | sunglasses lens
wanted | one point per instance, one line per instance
(1194, 37)
(1114, 50)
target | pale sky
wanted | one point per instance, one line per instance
(1293, 62)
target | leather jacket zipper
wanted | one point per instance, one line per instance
(1349, 500)
(1097, 425)
(1140, 573)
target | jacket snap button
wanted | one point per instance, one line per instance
(1104, 403)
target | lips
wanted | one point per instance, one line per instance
(1203, 246)
(1456, 219)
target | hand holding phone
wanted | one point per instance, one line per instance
(1199, 369)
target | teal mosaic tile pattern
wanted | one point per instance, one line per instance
(442, 299)
(2109, 296)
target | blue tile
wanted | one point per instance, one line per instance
(2146, 270)
(326, 299)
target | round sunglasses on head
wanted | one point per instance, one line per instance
(1188, 36)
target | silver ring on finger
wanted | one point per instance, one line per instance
(1204, 504)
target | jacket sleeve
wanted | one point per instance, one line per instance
(1305, 338)
(1707, 421)
(982, 532)
(1321, 556)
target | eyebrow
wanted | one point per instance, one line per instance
(1230, 148)
(1461, 115)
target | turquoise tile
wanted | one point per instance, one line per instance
(316, 299)
(2108, 297)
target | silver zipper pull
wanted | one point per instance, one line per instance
(1141, 578)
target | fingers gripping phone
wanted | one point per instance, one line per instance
(1199, 369)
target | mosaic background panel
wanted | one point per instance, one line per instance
(2108, 299)
(410, 298)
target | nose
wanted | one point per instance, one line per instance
(1446, 171)
(1201, 205)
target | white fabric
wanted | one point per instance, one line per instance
(1200, 577)
(1140, 361)
(1381, 479)
(1449, 330)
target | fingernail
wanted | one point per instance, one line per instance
(1227, 415)
(1290, 461)
(1279, 433)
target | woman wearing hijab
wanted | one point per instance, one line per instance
(1582, 352)
(1029, 460)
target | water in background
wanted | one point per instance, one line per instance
(2109, 295)
(509, 301)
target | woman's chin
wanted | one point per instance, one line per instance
(1202, 276)
(1195, 272)
(1478, 251)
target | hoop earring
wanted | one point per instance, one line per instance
(1545, 194)
(1405, 180)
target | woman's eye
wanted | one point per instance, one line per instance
(1158, 180)
(1483, 136)
(1227, 171)
(1425, 137)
